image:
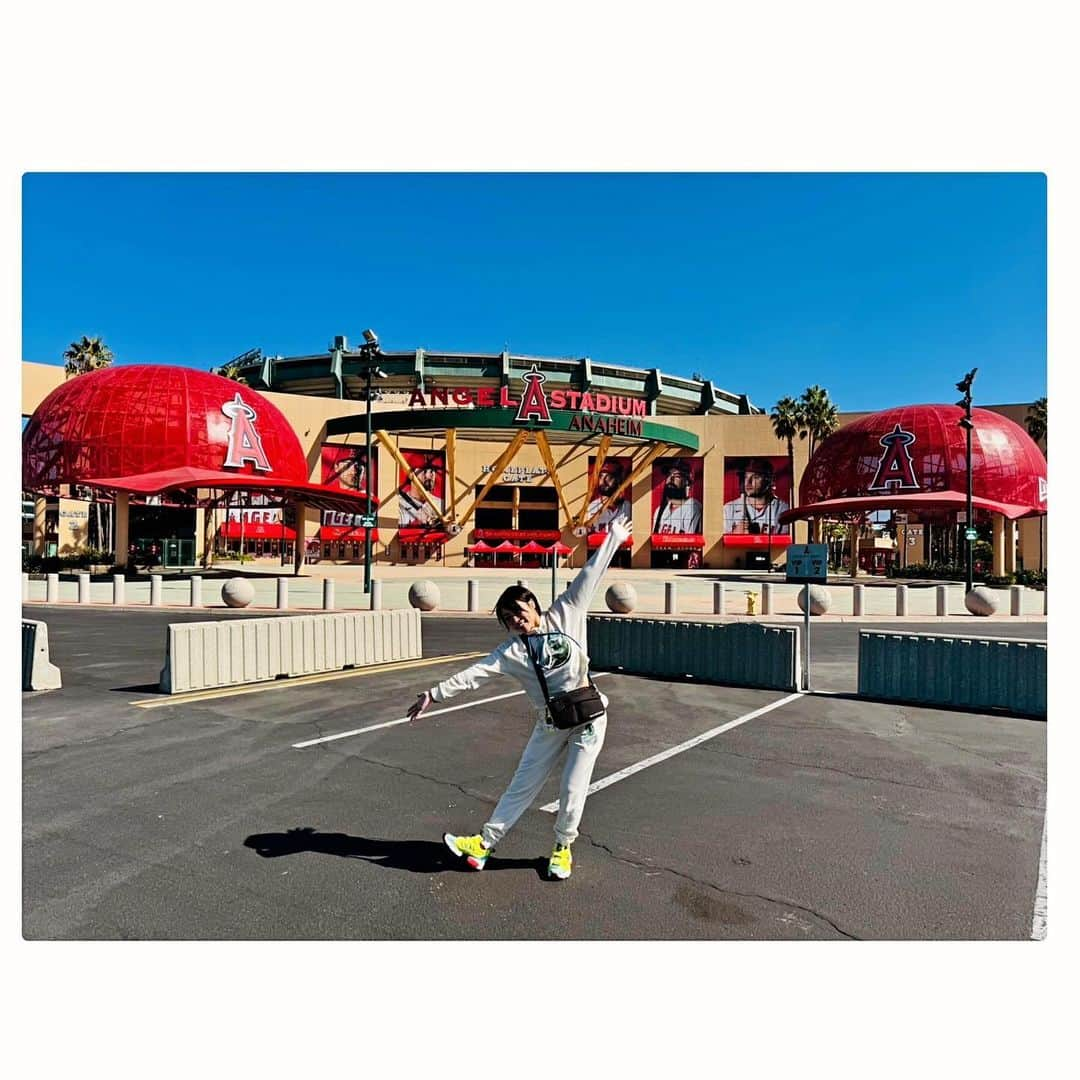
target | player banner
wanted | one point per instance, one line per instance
(757, 490)
(677, 496)
(345, 467)
(429, 468)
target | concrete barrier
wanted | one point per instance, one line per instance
(118, 583)
(38, 672)
(473, 603)
(231, 652)
(1016, 599)
(283, 594)
(84, 587)
(329, 599)
(942, 599)
(740, 654)
(25, 587)
(901, 599)
(858, 600)
(945, 669)
(196, 591)
(766, 598)
(718, 598)
(671, 598)
(52, 588)
(376, 595)
(155, 590)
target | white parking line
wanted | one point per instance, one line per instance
(697, 740)
(405, 719)
(1038, 919)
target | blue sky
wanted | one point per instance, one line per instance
(884, 288)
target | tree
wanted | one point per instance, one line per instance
(232, 371)
(820, 417)
(89, 354)
(1035, 421)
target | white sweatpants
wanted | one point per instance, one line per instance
(539, 756)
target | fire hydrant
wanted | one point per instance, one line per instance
(751, 603)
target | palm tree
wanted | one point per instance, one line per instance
(820, 416)
(787, 422)
(89, 354)
(1035, 421)
(819, 419)
(232, 371)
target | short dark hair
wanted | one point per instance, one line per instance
(684, 467)
(507, 604)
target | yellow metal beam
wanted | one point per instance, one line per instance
(496, 472)
(549, 461)
(396, 455)
(601, 453)
(451, 470)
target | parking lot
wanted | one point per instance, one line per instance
(799, 817)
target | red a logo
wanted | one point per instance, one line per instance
(534, 404)
(895, 469)
(244, 441)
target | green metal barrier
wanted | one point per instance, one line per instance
(741, 654)
(944, 669)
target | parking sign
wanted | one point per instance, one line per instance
(808, 563)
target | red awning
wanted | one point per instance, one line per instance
(316, 495)
(506, 546)
(345, 534)
(595, 539)
(533, 548)
(481, 547)
(422, 536)
(776, 540)
(256, 530)
(660, 541)
(924, 500)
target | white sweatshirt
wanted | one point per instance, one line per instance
(559, 643)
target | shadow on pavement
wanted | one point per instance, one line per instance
(416, 856)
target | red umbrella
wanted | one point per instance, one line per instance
(507, 546)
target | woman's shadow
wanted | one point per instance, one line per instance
(416, 856)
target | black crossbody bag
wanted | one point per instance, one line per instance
(572, 708)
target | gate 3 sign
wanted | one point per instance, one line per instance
(808, 563)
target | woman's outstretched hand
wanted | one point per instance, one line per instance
(419, 706)
(620, 526)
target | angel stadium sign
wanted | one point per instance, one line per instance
(610, 413)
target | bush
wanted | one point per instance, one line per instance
(1000, 581)
(1033, 579)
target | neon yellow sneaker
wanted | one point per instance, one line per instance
(472, 847)
(560, 862)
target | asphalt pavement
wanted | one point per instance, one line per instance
(826, 817)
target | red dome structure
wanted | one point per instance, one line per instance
(147, 429)
(914, 457)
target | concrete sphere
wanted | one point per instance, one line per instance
(424, 595)
(237, 592)
(621, 597)
(981, 601)
(820, 599)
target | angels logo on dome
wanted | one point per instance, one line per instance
(244, 441)
(895, 469)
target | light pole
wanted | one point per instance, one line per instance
(369, 350)
(964, 386)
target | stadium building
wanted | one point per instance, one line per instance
(506, 460)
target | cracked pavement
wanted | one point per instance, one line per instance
(828, 818)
